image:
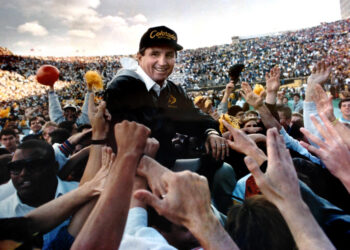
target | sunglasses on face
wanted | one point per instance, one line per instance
(31, 166)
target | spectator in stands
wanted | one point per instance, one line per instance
(8, 140)
(47, 129)
(69, 112)
(35, 126)
(344, 106)
(297, 117)
(285, 115)
(297, 104)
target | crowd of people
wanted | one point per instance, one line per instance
(144, 165)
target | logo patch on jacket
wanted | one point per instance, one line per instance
(172, 101)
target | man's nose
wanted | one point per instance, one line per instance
(23, 172)
(162, 60)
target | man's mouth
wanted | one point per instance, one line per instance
(25, 184)
(161, 70)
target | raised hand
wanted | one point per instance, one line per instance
(131, 137)
(280, 183)
(323, 103)
(273, 80)
(152, 146)
(253, 99)
(153, 172)
(320, 73)
(99, 118)
(333, 152)
(97, 183)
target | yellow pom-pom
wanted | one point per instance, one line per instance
(233, 121)
(258, 89)
(197, 99)
(4, 113)
(208, 103)
(93, 80)
(23, 123)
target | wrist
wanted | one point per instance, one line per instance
(98, 136)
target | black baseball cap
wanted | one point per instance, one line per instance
(160, 35)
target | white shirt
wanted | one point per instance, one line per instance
(12, 206)
(137, 235)
(150, 84)
(6, 190)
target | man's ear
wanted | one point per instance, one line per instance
(138, 57)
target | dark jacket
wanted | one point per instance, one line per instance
(173, 112)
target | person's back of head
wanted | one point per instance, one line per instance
(4, 172)
(258, 224)
(59, 136)
(69, 126)
(233, 110)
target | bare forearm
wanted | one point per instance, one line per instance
(225, 97)
(93, 164)
(268, 119)
(271, 97)
(303, 226)
(211, 235)
(105, 225)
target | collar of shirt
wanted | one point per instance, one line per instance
(20, 209)
(343, 120)
(150, 84)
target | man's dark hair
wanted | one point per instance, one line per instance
(142, 52)
(285, 110)
(31, 137)
(39, 147)
(4, 172)
(59, 135)
(258, 224)
(235, 71)
(67, 125)
(296, 94)
(34, 118)
(83, 126)
(233, 110)
(7, 131)
(343, 100)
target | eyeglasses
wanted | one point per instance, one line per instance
(31, 166)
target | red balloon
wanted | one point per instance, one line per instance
(47, 75)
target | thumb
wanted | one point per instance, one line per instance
(148, 198)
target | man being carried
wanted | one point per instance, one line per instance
(148, 97)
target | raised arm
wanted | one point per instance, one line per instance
(257, 101)
(281, 187)
(324, 105)
(320, 74)
(272, 85)
(55, 110)
(242, 143)
(332, 151)
(222, 108)
(105, 224)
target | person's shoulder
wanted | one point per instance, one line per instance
(124, 78)
(8, 206)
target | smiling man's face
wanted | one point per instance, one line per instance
(29, 173)
(158, 62)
